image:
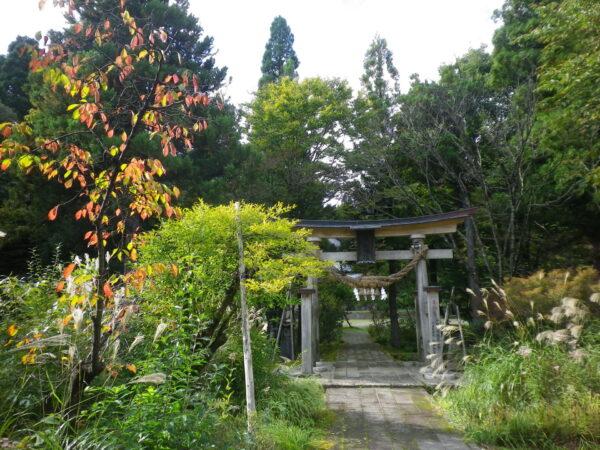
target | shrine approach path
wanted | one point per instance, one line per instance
(380, 403)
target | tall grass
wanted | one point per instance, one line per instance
(534, 380)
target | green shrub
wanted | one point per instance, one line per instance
(380, 332)
(333, 298)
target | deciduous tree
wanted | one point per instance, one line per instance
(118, 96)
(297, 128)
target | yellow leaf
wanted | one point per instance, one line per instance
(28, 358)
(143, 54)
(131, 368)
(12, 330)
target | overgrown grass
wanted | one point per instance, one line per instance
(535, 397)
(534, 381)
(331, 350)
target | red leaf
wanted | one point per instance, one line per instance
(6, 131)
(107, 25)
(68, 270)
(53, 213)
(108, 293)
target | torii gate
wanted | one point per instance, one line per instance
(365, 232)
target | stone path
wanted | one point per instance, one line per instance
(368, 392)
(361, 362)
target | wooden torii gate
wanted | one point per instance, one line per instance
(366, 232)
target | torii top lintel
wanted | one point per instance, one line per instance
(432, 224)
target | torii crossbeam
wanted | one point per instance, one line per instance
(366, 232)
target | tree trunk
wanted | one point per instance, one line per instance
(475, 303)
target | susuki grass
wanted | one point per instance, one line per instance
(534, 380)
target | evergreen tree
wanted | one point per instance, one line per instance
(279, 59)
(374, 131)
(14, 72)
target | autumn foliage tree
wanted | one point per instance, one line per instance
(118, 96)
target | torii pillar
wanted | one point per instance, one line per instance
(427, 305)
(310, 320)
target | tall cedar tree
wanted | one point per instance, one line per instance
(279, 59)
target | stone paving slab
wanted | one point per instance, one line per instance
(363, 363)
(389, 418)
(380, 403)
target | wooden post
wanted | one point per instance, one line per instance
(307, 330)
(312, 283)
(246, 342)
(421, 277)
(433, 306)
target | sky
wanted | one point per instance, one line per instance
(331, 36)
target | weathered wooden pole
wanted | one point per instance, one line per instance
(433, 306)
(307, 329)
(421, 298)
(246, 342)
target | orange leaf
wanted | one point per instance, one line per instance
(68, 270)
(12, 330)
(78, 28)
(108, 293)
(53, 213)
(5, 164)
(60, 286)
(66, 320)
(6, 131)
(174, 270)
(131, 368)
(107, 25)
